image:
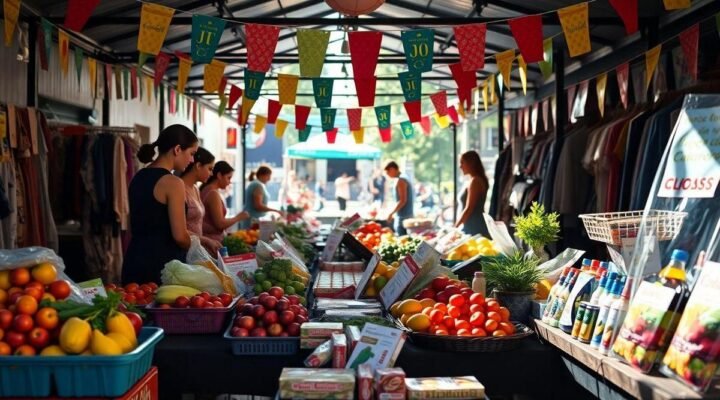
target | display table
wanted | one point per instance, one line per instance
(607, 377)
(204, 364)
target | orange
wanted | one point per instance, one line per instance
(3, 296)
(499, 333)
(507, 327)
(436, 316)
(26, 304)
(441, 306)
(44, 273)
(418, 322)
(453, 311)
(478, 332)
(427, 303)
(427, 311)
(462, 324)
(492, 304)
(5, 280)
(505, 313)
(463, 332)
(494, 316)
(491, 325)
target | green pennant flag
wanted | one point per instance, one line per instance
(253, 83)
(142, 59)
(419, 49)
(206, 34)
(126, 83)
(327, 116)
(78, 62)
(411, 85)
(312, 46)
(323, 89)
(47, 28)
(304, 133)
(223, 105)
(383, 116)
(546, 66)
(408, 131)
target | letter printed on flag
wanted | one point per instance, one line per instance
(383, 116)
(253, 83)
(323, 91)
(574, 21)
(154, 23)
(327, 118)
(206, 34)
(419, 49)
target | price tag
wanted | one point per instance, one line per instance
(397, 285)
(243, 267)
(267, 230)
(332, 243)
(93, 288)
(426, 253)
(374, 261)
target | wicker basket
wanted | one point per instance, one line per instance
(611, 228)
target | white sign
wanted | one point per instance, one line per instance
(93, 288)
(243, 267)
(693, 163)
(360, 288)
(332, 243)
(398, 283)
(267, 230)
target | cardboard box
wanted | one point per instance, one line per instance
(365, 382)
(378, 346)
(448, 388)
(353, 336)
(311, 343)
(316, 383)
(339, 350)
(320, 330)
(390, 384)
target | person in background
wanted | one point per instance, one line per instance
(319, 195)
(377, 187)
(256, 195)
(199, 171)
(157, 206)
(473, 195)
(403, 196)
(215, 222)
(342, 189)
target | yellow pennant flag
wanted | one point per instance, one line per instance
(574, 21)
(154, 23)
(64, 47)
(442, 121)
(213, 74)
(651, 61)
(359, 135)
(601, 84)
(92, 70)
(485, 95)
(183, 73)
(280, 126)
(287, 87)
(247, 105)
(260, 122)
(523, 73)
(493, 95)
(676, 4)
(148, 88)
(11, 9)
(312, 46)
(504, 63)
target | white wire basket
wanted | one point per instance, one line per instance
(611, 228)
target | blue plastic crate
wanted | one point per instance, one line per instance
(262, 346)
(78, 376)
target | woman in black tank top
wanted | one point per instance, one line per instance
(157, 206)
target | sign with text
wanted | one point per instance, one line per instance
(332, 243)
(360, 288)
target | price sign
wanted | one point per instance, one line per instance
(332, 243)
(267, 230)
(374, 261)
(93, 288)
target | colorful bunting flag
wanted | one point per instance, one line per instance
(206, 34)
(148, 88)
(413, 110)
(407, 129)
(162, 60)
(364, 52)
(46, 39)
(92, 71)
(504, 62)
(623, 75)
(261, 41)
(465, 81)
(301, 116)
(453, 114)
(142, 58)
(546, 66)
(574, 21)
(323, 91)
(528, 33)
(523, 73)
(676, 4)
(154, 23)
(439, 101)
(470, 41)
(425, 125)
(260, 122)
(185, 64)
(443, 121)
(133, 83)
(273, 111)
(652, 57)
(419, 49)
(383, 116)
(354, 118)
(78, 12)
(304, 134)
(64, 49)
(365, 89)
(491, 83)
(287, 88)
(11, 10)
(385, 134)
(411, 85)
(485, 95)
(247, 105)
(312, 46)
(689, 40)
(253, 83)
(223, 105)
(461, 110)
(280, 127)
(628, 12)
(327, 118)
(222, 86)
(359, 135)
(600, 86)
(235, 94)
(78, 62)
(331, 135)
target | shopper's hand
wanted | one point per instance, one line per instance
(390, 218)
(212, 246)
(243, 216)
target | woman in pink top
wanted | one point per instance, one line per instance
(215, 222)
(199, 171)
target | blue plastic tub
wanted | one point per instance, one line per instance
(78, 376)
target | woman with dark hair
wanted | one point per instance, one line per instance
(157, 206)
(199, 171)
(473, 196)
(256, 195)
(214, 223)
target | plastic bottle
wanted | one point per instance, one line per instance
(615, 317)
(562, 297)
(479, 283)
(553, 291)
(603, 269)
(605, 303)
(595, 298)
(550, 307)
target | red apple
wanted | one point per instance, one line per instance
(208, 304)
(442, 297)
(258, 311)
(197, 302)
(426, 293)
(262, 296)
(276, 292)
(274, 329)
(287, 317)
(294, 299)
(269, 302)
(6, 318)
(258, 332)
(14, 339)
(239, 332)
(226, 299)
(254, 300)
(270, 317)
(300, 319)
(246, 309)
(39, 338)
(282, 305)
(213, 299)
(439, 283)
(246, 322)
(136, 321)
(181, 302)
(293, 329)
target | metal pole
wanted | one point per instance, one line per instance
(455, 172)
(243, 145)
(32, 98)
(161, 113)
(501, 120)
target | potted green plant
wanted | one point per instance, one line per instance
(512, 279)
(538, 229)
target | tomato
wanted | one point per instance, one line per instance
(492, 304)
(23, 323)
(34, 292)
(136, 320)
(20, 277)
(6, 318)
(131, 287)
(60, 289)
(494, 316)
(146, 288)
(130, 298)
(47, 317)
(477, 319)
(26, 305)
(457, 300)
(505, 313)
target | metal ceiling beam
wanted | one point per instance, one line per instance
(275, 93)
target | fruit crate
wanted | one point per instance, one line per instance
(78, 376)
(262, 346)
(189, 321)
(611, 228)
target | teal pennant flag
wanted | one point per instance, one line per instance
(411, 85)
(206, 34)
(327, 116)
(304, 133)
(323, 89)
(253, 83)
(383, 116)
(418, 45)
(408, 131)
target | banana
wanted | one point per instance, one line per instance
(167, 294)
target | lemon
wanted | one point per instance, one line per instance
(410, 306)
(395, 309)
(418, 322)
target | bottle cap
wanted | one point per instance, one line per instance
(479, 274)
(604, 265)
(603, 281)
(680, 255)
(620, 284)
(586, 262)
(595, 264)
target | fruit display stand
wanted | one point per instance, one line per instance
(608, 378)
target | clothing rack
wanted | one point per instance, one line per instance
(77, 129)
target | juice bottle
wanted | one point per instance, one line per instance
(553, 293)
(605, 304)
(615, 317)
(653, 315)
(562, 297)
(595, 298)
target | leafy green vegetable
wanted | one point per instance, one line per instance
(391, 252)
(95, 313)
(513, 273)
(236, 246)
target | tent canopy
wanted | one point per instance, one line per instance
(344, 148)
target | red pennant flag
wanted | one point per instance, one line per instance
(235, 94)
(689, 41)
(528, 33)
(41, 49)
(452, 111)
(78, 12)
(133, 83)
(354, 118)
(364, 52)
(108, 81)
(463, 79)
(471, 45)
(331, 135)
(623, 73)
(386, 134)
(261, 41)
(301, 116)
(465, 96)
(425, 124)
(414, 110)
(222, 86)
(365, 88)
(161, 63)
(439, 100)
(273, 111)
(628, 12)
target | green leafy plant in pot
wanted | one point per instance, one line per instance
(537, 229)
(512, 279)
